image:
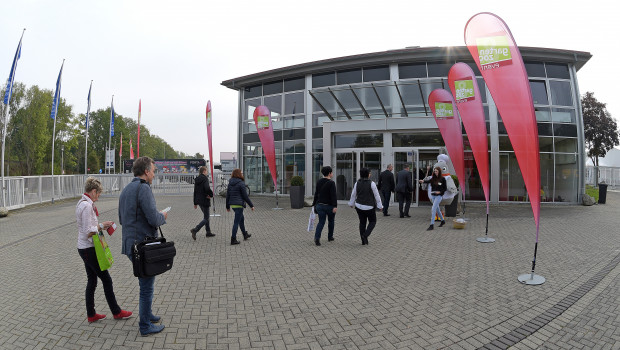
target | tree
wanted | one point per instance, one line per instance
(600, 129)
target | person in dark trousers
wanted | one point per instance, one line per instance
(236, 197)
(438, 188)
(366, 199)
(386, 187)
(404, 188)
(202, 198)
(325, 204)
(138, 214)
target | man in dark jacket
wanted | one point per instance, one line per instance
(386, 187)
(202, 198)
(404, 187)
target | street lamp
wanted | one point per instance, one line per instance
(62, 159)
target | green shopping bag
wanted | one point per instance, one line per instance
(104, 256)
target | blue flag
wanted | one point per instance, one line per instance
(57, 93)
(88, 107)
(112, 118)
(9, 84)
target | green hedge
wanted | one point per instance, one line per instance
(592, 192)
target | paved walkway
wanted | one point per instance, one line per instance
(408, 289)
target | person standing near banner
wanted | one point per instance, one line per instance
(404, 188)
(137, 213)
(202, 198)
(438, 188)
(326, 203)
(365, 197)
(386, 187)
(236, 197)
(86, 214)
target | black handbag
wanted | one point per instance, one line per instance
(154, 255)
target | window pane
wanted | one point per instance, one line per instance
(569, 130)
(250, 106)
(561, 93)
(566, 178)
(272, 88)
(546, 177)
(317, 145)
(539, 92)
(565, 145)
(323, 79)
(294, 103)
(376, 73)
(318, 119)
(482, 86)
(562, 115)
(504, 143)
(350, 76)
(274, 103)
(542, 114)
(408, 71)
(555, 70)
(438, 69)
(544, 129)
(358, 140)
(545, 144)
(295, 84)
(253, 91)
(501, 129)
(535, 69)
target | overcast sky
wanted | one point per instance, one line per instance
(174, 54)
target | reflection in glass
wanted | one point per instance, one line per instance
(274, 103)
(561, 93)
(511, 185)
(555, 70)
(376, 73)
(318, 119)
(323, 79)
(317, 164)
(252, 91)
(542, 114)
(569, 130)
(539, 92)
(566, 178)
(250, 106)
(546, 177)
(350, 76)
(272, 88)
(561, 115)
(358, 140)
(294, 103)
(408, 71)
(251, 172)
(294, 84)
(326, 100)
(565, 144)
(535, 69)
(348, 101)
(345, 174)
(473, 183)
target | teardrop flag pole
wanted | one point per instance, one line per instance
(447, 118)
(493, 47)
(464, 87)
(262, 119)
(210, 141)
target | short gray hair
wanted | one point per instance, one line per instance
(92, 184)
(141, 165)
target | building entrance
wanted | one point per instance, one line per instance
(348, 164)
(420, 162)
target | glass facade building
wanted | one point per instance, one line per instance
(371, 110)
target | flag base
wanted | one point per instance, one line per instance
(531, 279)
(215, 215)
(278, 208)
(485, 240)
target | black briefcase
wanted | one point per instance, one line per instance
(153, 256)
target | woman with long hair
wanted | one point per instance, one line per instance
(236, 197)
(438, 188)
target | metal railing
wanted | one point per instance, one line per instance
(608, 175)
(28, 190)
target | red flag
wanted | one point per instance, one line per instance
(447, 118)
(209, 135)
(139, 115)
(493, 48)
(262, 119)
(464, 87)
(130, 150)
(120, 152)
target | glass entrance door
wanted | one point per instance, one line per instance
(348, 164)
(401, 159)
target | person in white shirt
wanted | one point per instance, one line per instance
(366, 199)
(86, 214)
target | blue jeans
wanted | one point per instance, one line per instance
(205, 220)
(325, 212)
(239, 222)
(146, 301)
(436, 211)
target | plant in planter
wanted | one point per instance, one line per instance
(297, 192)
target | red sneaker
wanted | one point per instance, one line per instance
(96, 318)
(123, 315)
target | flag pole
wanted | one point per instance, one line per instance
(110, 132)
(53, 139)
(86, 143)
(54, 113)
(5, 120)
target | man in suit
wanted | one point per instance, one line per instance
(404, 188)
(386, 187)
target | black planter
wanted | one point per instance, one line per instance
(452, 208)
(297, 197)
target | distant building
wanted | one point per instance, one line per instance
(165, 166)
(228, 161)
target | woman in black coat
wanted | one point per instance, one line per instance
(236, 197)
(202, 198)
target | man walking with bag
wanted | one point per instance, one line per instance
(139, 217)
(202, 198)
(386, 187)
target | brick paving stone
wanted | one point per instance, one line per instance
(407, 289)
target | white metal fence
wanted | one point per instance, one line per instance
(28, 190)
(608, 175)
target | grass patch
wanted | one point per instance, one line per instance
(592, 192)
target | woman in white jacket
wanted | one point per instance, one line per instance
(86, 214)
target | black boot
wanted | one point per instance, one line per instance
(246, 235)
(234, 241)
(430, 228)
(443, 222)
(317, 242)
(209, 234)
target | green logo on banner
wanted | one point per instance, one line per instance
(464, 90)
(443, 110)
(209, 118)
(493, 52)
(263, 121)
